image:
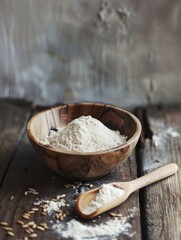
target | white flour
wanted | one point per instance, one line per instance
(50, 206)
(53, 206)
(163, 135)
(111, 229)
(106, 194)
(84, 134)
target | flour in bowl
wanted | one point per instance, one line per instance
(84, 134)
(106, 194)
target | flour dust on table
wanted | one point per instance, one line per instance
(78, 231)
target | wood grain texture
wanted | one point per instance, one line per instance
(122, 52)
(26, 170)
(14, 115)
(159, 205)
(162, 200)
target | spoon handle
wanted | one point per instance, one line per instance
(154, 176)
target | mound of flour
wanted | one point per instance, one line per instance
(111, 229)
(106, 194)
(84, 134)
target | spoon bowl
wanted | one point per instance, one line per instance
(86, 198)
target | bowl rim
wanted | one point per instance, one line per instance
(127, 143)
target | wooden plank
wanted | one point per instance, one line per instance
(13, 115)
(161, 209)
(26, 170)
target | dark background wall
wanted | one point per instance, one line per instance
(119, 51)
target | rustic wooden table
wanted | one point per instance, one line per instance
(154, 212)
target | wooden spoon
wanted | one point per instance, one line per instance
(129, 187)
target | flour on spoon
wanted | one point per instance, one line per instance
(106, 194)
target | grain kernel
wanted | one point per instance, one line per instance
(25, 226)
(112, 214)
(20, 222)
(29, 192)
(58, 211)
(62, 196)
(44, 210)
(8, 229)
(45, 206)
(32, 189)
(27, 231)
(35, 209)
(119, 215)
(54, 200)
(31, 212)
(31, 230)
(3, 223)
(25, 216)
(31, 223)
(44, 225)
(33, 226)
(33, 235)
(11, 234)
(58, 197)
(115, 214)
(36, 204)
(40, 228)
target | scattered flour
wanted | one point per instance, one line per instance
(53, 206)
(84, 134)
(106, 194)
(164, 135)
(50, 206)
(111, 229)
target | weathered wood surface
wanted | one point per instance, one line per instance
(13, 116)
(161, 206)
(26, 170)
(122, 52)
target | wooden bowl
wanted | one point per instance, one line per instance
(90, 165)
